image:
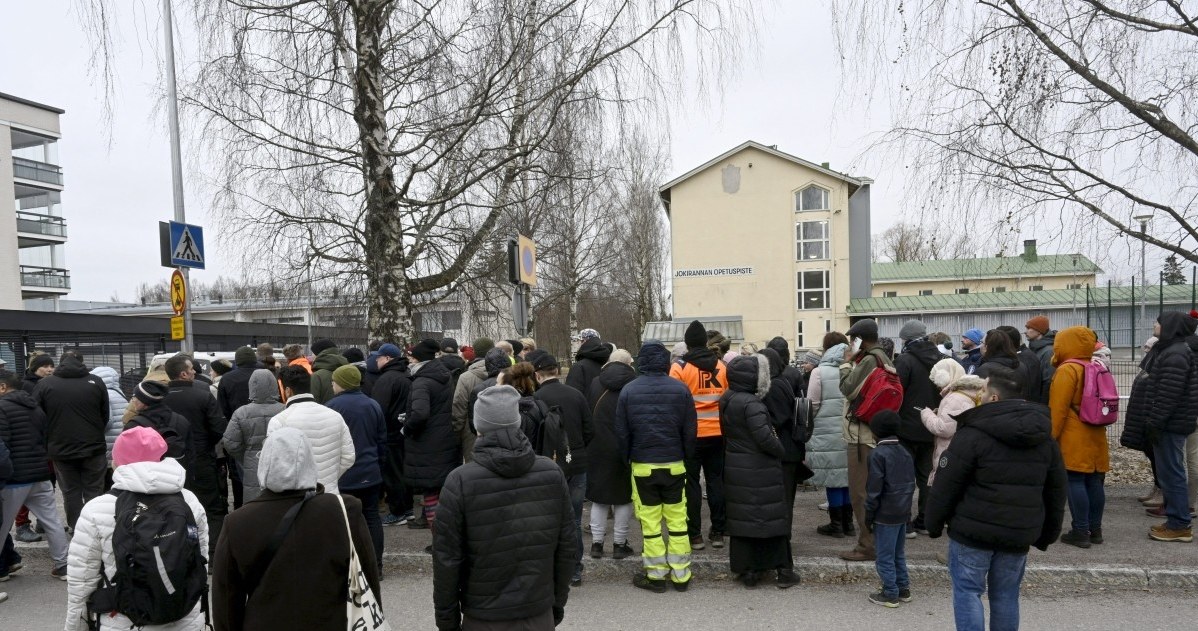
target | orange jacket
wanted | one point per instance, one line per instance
(1084, 448)
(706, 388)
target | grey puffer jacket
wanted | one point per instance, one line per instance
(117, 403)
(826, 450)
(247, 429)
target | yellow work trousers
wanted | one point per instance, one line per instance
(659, 492)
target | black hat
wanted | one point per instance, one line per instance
(39, 361)
(353, 355)
(517, 347)
(885, 424)
(322, 344)
(449, 345)
(866, 329)
(542, 360)
(696, 335)
(425, 350)
(151, 393)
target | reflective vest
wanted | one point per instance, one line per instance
(706, 388)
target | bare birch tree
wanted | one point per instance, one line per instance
(1082, 111)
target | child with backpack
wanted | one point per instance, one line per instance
(159, 532)
(888, 494)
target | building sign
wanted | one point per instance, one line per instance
(714, 271)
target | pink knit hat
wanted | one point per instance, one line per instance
(138, 444)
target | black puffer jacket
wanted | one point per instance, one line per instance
(1028, 371)
(780, 403)
(76, 406)
(391, 391)
(588, 361)
(1029, 363)
(1001, 484)
(505, 539)
(754, 493)
(609, 478)
(655, 414)
(1043, 350)
(576, 418)
(23, 429)
(793, 375)
(173, 427)
(194, 402)
(1135, 423)
(1166, 398)
(914, 365)
(431, 447)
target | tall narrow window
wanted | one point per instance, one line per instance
(812, 198)
(815, 289)
(799, 343)
(812, 239)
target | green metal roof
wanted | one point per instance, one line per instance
(1056, 298)
(998, 267)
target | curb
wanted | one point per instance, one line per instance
(832, 570)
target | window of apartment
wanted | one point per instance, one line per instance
(813, 198)
(962, 290)
(812, 238)
(815, 289)
(799, 343)
(999, 290)
(1074, 286)
(890, 294)
(925, 292)
(1036, 288)
(827, 326)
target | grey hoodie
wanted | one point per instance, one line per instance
(247, 429)
(117, 403)
(286, 463)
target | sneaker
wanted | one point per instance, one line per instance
(392, 520)
(3, 596)
(39, 528)
(823, 506)
(418, 523)
(717, 540)
(13, 568)
(1149, 495)
(25, 534)
(905, 594)
(1075, 538)
(697, 543)
(681, 587)
(576, 581)
(646, 583)
(1096, 537)
(597, 550)
(882, 599)
(59, 573)
(621, 551)
(910, 531)
(1162, 532)
(787, 579)
(918, 526)
(4, 576)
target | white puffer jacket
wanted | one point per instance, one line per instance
(93, 542)
(327, 433)
(117, 403)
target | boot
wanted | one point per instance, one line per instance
(846, 521)
(833, 528)
(787, 578)
(1153, 499)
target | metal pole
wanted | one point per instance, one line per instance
(172, 109)
(1143, 279)
(1088, 309)
(1133, 318)
(1160, 295)
(1194, 288)
(1110, 314)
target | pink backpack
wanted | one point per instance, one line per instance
(1100, 395)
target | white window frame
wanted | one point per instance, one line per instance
(799, 199)
(803, 290)
(800, 240)
(1074, 286)
(1035, 288)
(1002, 289)
(890, 294)
(962, 291)
(925, 292)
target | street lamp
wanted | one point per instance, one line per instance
(1143, 219)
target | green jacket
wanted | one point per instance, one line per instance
(326, 362)
(852, 377)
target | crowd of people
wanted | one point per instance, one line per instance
(317, 452)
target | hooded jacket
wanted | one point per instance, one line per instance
(364, 418)
(798, 382)
(504, 544)
(890, 484)
(1084, 447)
(6, 468)
(1030, 373)
(328, 436)
(431, 447)
(826, 449)
(76, 406)
(576, 419)
(1165, 399)
(305, 585)
(117, 404)
(495, 362)
(92, 542)
(609, 478)
(852, 377)
(655, 414)
(193, 400)
(754, 493)
(23, 430)
(589, 359)
(780, 403)
(705, 376)
(391, 391)
(914, 365)
(1029, 364)
(476, 373)
(233, 391)
(963, 394)
(326, 362)
(1001, 457)
(173, 427)
(247, 429)
(1043, 348)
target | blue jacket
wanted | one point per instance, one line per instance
(891, 484)
(971, 360)
(655, 414)
(368, 428)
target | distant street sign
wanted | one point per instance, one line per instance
(519, 310)
(182, 245)
(178, 292)
(178, 332)
(528, 261)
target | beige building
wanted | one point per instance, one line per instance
(1029, 271)
(32, 230)
(763, 237)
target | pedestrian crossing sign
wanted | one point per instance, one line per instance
(186, 245)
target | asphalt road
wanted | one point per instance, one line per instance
(36, 602)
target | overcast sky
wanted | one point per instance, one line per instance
(787, 93)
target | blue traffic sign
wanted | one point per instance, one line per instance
(186, 245)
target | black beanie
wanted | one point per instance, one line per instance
(426, 350)
(322, 344)
(885, 424)
(696, 335)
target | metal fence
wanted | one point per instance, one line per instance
(1125, 372)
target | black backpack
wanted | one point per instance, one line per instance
(174, 429)
(160, 571)
(543, 427)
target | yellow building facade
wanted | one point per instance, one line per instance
(766, 237)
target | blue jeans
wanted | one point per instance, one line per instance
(1087, 499)
(578, 489)
(890, 541)
(838, 496)
(974, 572)
(1171, 470)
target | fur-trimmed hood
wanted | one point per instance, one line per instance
(750, 373)
(970, 385)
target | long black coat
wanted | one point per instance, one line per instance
(914, 365)
(23, 429)
(431, 448)
(780, 403)
(76, 406)
(392, 390)
(609, 478)
(194, 402)
(589, 360)
(754, 493)
(576, 419)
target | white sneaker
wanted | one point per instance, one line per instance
(823, 506)
(3, 596)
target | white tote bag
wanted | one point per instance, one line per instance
(362, 610)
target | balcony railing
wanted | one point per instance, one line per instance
(34, 170)
(49, 277)
(41, 224)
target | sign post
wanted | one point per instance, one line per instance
(181, 246)
(522, 272)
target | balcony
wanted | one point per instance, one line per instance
(37, 281)
(34, 229)
(36, 171)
